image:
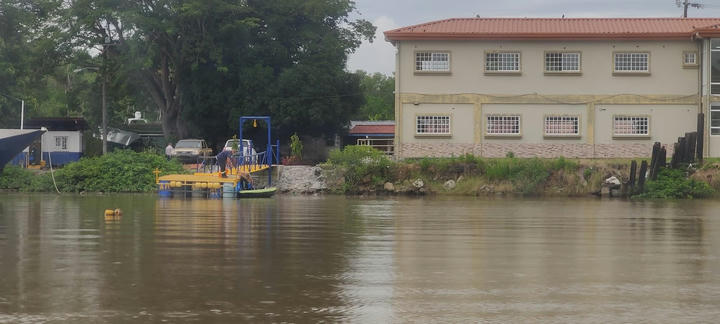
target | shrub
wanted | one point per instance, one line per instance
(365, 166)
(352, 154)
(296, 147)
(119, 171)
(673, 184)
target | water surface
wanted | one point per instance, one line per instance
(337, 259)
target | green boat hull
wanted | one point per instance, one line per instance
(257, 193)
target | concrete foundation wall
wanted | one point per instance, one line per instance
(529, 150)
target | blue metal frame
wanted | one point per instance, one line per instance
(269, 151)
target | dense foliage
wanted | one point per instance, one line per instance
(364, 167)
(674, 184)
(378, 91)
(197, 63)
(119, 171)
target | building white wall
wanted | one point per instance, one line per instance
(467, 59)
(74, 141)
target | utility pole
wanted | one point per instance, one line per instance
(104, 112)
(685, 4)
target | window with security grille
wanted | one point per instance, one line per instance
(631, 125)
(562, 125)
(562, 62)
(432, 125)
(632, 62)
(432, 62)
(690, 58)
(715, 120)
(502, 62)
(503, 125)
(61, 142)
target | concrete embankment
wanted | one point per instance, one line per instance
(301, 179)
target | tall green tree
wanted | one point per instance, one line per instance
(29, 55)
(378, 92)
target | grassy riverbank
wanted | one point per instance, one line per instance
(119, 171)
(360, 170)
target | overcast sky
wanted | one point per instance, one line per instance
(389, 14)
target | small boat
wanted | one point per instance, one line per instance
(257, 193)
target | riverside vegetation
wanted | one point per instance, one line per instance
(119, 171)
(362, 169)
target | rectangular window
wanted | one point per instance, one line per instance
(715, 120)
(562, 62)
(503, 125)
(432, 125)
(502, 62)
(631, 126)
(632, 62)
(432, 62)
(61, 142)
(690, 59)
(715, 66)
(562, 125)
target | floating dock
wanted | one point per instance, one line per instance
(212, 184)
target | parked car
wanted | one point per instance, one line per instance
(249, 152)
(189, 150)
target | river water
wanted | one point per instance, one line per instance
(337, 259)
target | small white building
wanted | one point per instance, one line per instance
(61, 144)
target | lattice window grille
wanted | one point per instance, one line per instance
(690, 58)
(562, 125)
(503, 125)
(631, 62)
(502, 62)
(439, 125)
(562, 62)
(631, 125)
(432, 62)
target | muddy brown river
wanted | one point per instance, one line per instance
(362, 260)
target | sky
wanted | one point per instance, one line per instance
(379, 56)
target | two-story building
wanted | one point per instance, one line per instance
(585, 88)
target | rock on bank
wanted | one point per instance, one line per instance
(301, 179)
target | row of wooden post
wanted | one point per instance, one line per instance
(688, 149)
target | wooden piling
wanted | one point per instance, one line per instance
(641, 176)
(692, 147)
(662, 159)
(700, 137)
(631, 181)
(654, 157)
(674, 160)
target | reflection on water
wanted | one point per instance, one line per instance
(310, 259)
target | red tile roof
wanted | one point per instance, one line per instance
(558, 28)
(373, 129)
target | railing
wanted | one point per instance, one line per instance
(242, 163)
(382, 144)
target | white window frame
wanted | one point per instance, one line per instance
(634, 58)
(714, 109)
(433, 63)
(61, 143)
(508, 119)
(713, 51)
(503, 57)
(632, 119)
(572, 119)
(437, 122)
(688, 63)
(563, 69)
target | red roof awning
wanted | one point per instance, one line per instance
(373, 129)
